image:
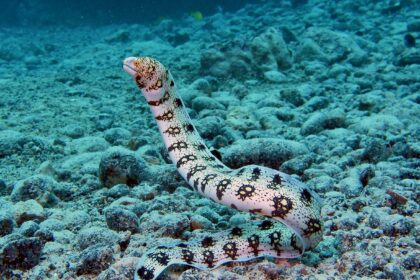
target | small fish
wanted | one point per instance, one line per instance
(197, 15)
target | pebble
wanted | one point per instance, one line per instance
(274, 76)
(335, 46)
(269, 51)
(38, 187)
(104, 121)
(240, 91)
(202, 85)
(28, 228)
(225, 98)
(4, 190)
(203, 102)
(322, 184)
(44, 235)
(408, 57)
(73, 131)
(210, 127)
(29, 210)
(347, 222)
(397, 225)
(200, 222)
(393, 272)
(238, 219)
(375, 150)
(6, 224)
(411, 261)
(52, 224)
(351, 187)
(121, 269)
(118, 191)
(173, 203)
(166, 177)
(373, 124)
(271, 152)
(120, 219)
(178, 38)
(117, 136)
(413, 26)
(172, 224)
(87, 144)
(209, 214)
(11, 142)
(309, 50)
(90, 236)
(20, 253)
(94, 259)
(120, 36)
(293, 96)
(121, 166)
(317, 103)
(298, 165)
(74, 220)
(323, 120)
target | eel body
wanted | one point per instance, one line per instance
(293, 210)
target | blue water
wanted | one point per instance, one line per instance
(41, 13)
(327, 91)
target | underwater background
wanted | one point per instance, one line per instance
(326, 90)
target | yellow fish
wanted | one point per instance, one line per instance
(197, 15)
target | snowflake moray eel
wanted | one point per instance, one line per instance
(295, 224)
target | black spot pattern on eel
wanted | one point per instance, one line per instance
(161, 101)
(173, 131)
(254, 243)
(178, 146)
(231, 250)
(221, 187)
(189, 127)
(184, 159)
(167, 116)
(206, 180)
(275, 183)
(154, 102)
(236, 232)
(165, 97)
(200, 147)
(144, 273)
(196, 183)
(194, 170)
(282, 205)
(313, 226)
(256, 172)
(177, 102)
(245, 191)
(187, 255)
(207, 242)
(209, 158)
(161, 257)
(208, 258)
(275, 241)
(306, 197)
(266, 225)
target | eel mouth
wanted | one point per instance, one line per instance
(128, 66)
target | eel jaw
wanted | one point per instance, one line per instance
(129, 67)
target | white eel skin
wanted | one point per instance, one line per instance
(294, 223)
